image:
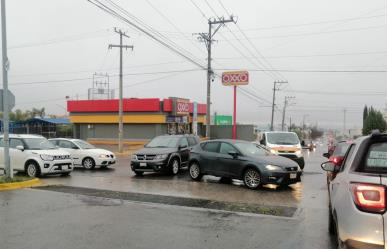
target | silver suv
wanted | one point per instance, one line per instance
(357, 195)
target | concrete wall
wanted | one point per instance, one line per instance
(131, 131)
(244, 132)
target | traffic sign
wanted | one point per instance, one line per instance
(235, 78)
(11, 100)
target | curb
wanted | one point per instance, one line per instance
(18, 185)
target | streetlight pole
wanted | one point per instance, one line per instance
(7, 164)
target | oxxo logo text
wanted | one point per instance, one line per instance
(182, 107)
(235, 78)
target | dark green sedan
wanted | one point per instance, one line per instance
(236, 159)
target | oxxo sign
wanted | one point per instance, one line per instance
(182, 107)
(235, 78)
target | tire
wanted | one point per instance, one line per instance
(139, 173)
(32, 169)
(252, 178)
(194, 171)
(174, 166)
(332, 226)
(88, 163)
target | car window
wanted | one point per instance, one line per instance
(14, 142)
(225, 148)
(184, 142)
(211, 147)
(376, 157)
(66, 144)
(350, 151)
(192, 141)
(341, 149)
(163, 142)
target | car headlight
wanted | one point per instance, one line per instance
(273, 168)
(103, 156)
(298, 152)
(161, 157)
(273, 151)
(47, 157)
(133, 157)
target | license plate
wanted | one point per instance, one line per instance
(293, 176)
(142, 164)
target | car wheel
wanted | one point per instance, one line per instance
(139, 173)
(174, 167)
(331, 227)
(32, 169)
(252, 178)
(194, 171)
(88, 163)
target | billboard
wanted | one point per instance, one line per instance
(235, 78)
(223, 120)
(180, 107)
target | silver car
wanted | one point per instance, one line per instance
(357, 195)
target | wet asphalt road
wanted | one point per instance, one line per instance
(34, 218)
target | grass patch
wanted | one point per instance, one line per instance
(4, 179)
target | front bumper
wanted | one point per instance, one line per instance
(282, 177)
(56, 167)
(149, 166)
(299, 160)
(105, 161)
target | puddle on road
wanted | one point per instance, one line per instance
(171, 200)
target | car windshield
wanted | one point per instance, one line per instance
(250, 149)
(284, 138)
(38, 144)
(163, 142)
(84, 145)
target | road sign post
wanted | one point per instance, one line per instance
(235, 78)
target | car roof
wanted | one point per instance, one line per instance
(232, 141)
(23, 136)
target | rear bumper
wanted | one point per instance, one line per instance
(281, 178)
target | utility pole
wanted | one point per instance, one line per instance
(303, 123)
(286, 103)
(7, 164)
(290, 123)
(344, 121)
(207, 38)
(120, 104)
(276, 87)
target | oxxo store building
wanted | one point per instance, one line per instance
(143, 118)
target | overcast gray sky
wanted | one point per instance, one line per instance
(54, 40)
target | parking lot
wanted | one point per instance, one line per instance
(304, 226)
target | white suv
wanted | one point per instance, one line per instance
(35, 156)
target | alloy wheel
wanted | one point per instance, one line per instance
(252, 178)
(194, 170)
(175, 167)
(31, 170)
(88, 163)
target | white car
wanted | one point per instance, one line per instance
(35, 156)
(85, 154)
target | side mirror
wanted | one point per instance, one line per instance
(20, 147)
(234, 154)
(327, 155)
(330, 167)
(183, 147)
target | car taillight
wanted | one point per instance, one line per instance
(369, 197)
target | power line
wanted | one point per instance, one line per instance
(310, 71)
(168, 44)
(71, 38)
(90, 78)
(338, 93)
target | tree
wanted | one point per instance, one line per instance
(365, 114)
(315, 133)
(374, 121)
